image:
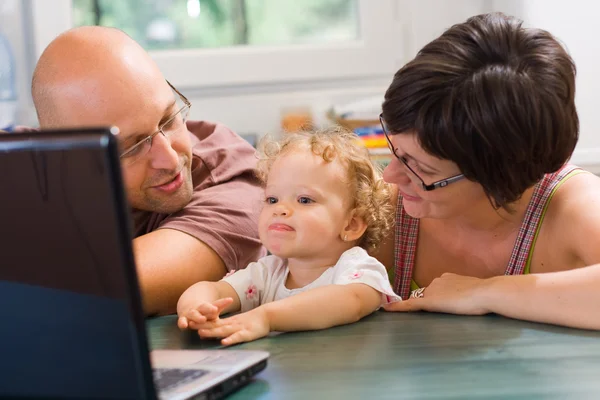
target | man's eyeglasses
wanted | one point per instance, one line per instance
(438, 184)
(174, 124)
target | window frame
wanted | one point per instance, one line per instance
(377, 53)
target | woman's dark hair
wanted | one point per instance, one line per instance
(494, 97)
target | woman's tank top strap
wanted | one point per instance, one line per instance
(541, 194)
(407, 231)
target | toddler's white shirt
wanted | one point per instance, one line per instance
(263, 281)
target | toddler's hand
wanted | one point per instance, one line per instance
(240, 328)
(202, 313)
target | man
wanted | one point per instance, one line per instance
(191, 186)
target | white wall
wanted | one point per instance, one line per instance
(427, 19)
(257, 109)
(13, 20)
(574, 23)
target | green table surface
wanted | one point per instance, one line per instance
(416, 356)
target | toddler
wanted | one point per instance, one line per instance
(325, 206)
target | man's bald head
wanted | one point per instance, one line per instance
(96, 76)
(90, 67)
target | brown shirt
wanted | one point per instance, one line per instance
(226, 202)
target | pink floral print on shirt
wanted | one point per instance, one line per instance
(251, 292)
(356, 275)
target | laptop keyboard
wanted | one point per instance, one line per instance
(169, 378)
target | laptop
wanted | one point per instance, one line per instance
(71, 319)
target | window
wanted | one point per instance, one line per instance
(224, 43)
(184, 24)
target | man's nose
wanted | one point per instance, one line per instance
(162, 153)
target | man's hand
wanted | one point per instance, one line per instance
(450, 293)
(240, 328)
(22, 129)
(195, 316)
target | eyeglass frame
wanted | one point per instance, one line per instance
(150, 137)
(435, 185)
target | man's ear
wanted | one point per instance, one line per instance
(354, 228)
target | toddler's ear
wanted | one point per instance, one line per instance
(354, 228)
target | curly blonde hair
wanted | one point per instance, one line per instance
(372, 195)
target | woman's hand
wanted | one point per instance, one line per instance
(450, 293)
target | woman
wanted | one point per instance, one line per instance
(482, 123)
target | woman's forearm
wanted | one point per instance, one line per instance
(570, 298)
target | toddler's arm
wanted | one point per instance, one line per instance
(323, 307)
(314, 309)
(205, 301)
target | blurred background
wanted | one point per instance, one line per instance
(264, 66)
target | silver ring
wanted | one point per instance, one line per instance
(417, 293)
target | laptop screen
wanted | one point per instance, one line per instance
(69, 327)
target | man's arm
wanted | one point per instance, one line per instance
(216, 231)
(165, 274)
